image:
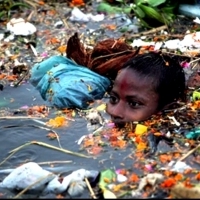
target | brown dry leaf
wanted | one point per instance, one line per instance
(110, 26)
(37, 109)
(76, 50)
(59, 196)
(41, 3)
(142, 146)
(52, 12)
(88, 142)
(195, 105)
(178, 177)
(51, 135)
(11, 77)
(176, 155)
(134, 178)
(198, 176)
(165, 158)
(13, 57)
(119, 144)
(2, 76)
(53, 41)
(168, 173)
(95, 150)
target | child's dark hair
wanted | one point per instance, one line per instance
(167, 75)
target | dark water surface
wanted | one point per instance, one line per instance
(17, 132)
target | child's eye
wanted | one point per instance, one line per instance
(113, 99)
(134, 104)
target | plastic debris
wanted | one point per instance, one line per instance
(196, 20)
(140, 129)
(150, 179)
(177, 166)
(78, 15)
(20, 27)
(25, 175)
(193, 134)
(65, 84)
(190, 10)
(190, 41)
(43, 181)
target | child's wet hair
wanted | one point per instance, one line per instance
(167, 75)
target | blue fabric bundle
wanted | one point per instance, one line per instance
(65, 84)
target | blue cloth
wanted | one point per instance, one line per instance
(65, 84)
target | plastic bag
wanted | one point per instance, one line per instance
(25, 175)
(65, 84)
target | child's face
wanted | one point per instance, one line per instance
(132, 98)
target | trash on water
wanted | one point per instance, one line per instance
(190, 10)
(78, 15)
(30, 175)
(20, 27)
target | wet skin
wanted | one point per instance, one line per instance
(132, 98)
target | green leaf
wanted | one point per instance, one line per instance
(121, 1)
(138, 11)
(20, 5)
(195, 95)
(168, 9)
(155, 3)
(123, 29)
(152, 13)
(106, 176)
(107, 8)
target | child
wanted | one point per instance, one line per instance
(145, 85)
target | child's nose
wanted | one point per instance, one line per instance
(116, 110)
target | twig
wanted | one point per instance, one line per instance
(30, 15)
(27, 188)
(189, 153)
(32, 47)
(19, 117)
(90, 189)
(154, 30)
(34, 5)
(112, 54)
(21, 79)
(54, 162)
(61, 18)
(52, 147)
(50, 130)
(12, 153)
(193, 61)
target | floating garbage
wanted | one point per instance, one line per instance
(79, 16)
(30, 175)
(190, 10)
(25, 175)
(20, 27)
(193, 134)
(176, 166)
